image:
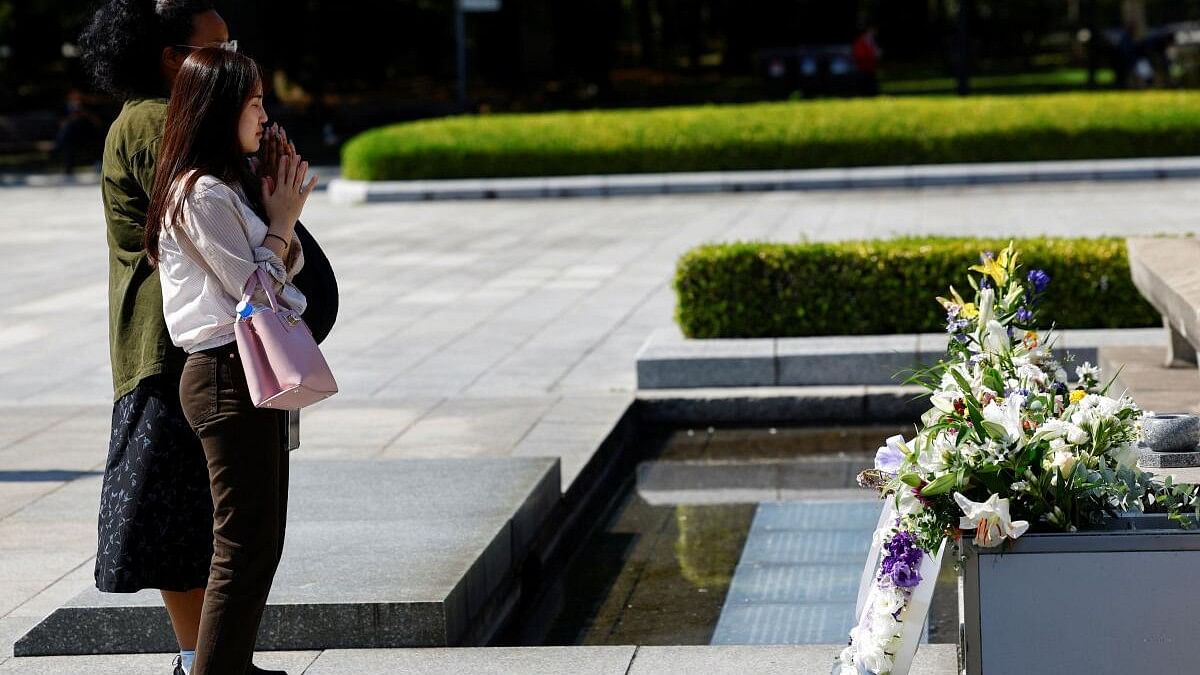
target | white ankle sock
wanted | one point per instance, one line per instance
(189, 657)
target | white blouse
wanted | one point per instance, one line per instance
(205, 260)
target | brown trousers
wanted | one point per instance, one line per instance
(248, 475)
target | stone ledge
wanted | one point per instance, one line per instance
(669, 361)
(344, 191)
(379, 554)
(792, 406)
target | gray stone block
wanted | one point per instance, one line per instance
(1128, 169)
(629, 185)
(1179, 167)
(941, 175)
(1151, 459)
(880, 177)
(515, 188)
(845, 360)
(575, 186)
(395, 191)
(478, 661)
(816, 179)
(767, 405)
(753, 181)
(694, 182)
(1061, 171)
(663, 363)
(895, 403)
(468, 188)
(1164, 271)
(379, 554)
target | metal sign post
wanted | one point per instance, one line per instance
(461, 7)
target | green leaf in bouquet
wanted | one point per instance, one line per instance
(911, 479)
(1104, 390)
(965, 386)
(993, 380)
(994, 483)
(940, 485)
(994, 429)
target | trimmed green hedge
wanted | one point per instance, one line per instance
(797, 135)
(746, 290)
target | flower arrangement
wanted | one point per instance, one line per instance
(1010, 443)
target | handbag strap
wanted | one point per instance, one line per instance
(259, 278)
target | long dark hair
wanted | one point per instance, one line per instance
(123, 43)
(201, 134)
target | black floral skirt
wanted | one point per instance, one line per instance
(156, 513)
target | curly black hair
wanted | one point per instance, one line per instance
(123, 43)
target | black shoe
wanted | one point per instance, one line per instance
(255, 670)
(178, 663)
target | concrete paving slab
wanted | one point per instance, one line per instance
(378, 554)
(770, 660)
(490, 661)
(126, 664)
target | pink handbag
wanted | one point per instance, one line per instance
(284, 367)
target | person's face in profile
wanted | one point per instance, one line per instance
(250, 125)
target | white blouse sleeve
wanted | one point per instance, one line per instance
(213, 220)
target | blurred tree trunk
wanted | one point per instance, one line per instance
(646, 33)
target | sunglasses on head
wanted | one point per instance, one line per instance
(231, 46)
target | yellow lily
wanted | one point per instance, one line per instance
(966, 310)
(997, 268)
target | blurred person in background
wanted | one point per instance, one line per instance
(76, 132)
(866, 60)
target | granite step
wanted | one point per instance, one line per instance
(379, 554)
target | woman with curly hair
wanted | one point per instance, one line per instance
(156, 508)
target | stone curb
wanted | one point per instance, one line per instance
(669, 361)
(343, 191)
(325, 175)
(791, 406)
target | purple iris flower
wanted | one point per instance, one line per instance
(905, 575)
(1024, 315)
(1039, 279)
(902, 561)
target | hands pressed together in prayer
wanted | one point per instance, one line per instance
(285, 184)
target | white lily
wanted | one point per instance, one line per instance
(1063, 460)
(996, 339)
(931, 456)
(944, 400)
(1050, 430)
(1006, 417)
(990, 520)
(987, 301)
(1125, 455)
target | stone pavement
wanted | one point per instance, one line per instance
(478, 329)
(938, 659)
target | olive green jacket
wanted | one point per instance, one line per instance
(139, 345)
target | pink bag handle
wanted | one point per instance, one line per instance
(260, 276)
